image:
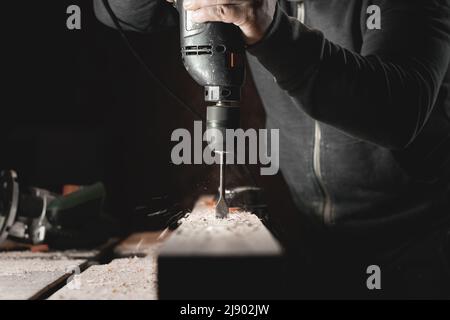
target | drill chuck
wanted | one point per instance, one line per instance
(219, 118)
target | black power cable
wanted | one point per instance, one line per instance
(116, 22)
(127, 42)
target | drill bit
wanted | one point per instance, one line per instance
(221, 206)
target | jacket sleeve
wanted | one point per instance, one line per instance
(142, 16)
(385, 93)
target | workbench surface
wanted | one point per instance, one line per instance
(128, 269)
(131, 274)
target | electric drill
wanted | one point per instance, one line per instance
(213, 54)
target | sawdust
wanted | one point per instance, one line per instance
(56, 255)
(29, 266)
(201, 233)
(127, 278)
(25, 278)
(238, 223)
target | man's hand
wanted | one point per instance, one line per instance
(253, 17)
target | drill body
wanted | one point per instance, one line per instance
(213, 54)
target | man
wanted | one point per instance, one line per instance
(363, 106)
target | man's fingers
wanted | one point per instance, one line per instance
(224, 13)
(197, 4)
(253, 17)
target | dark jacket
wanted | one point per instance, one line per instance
(364, 115)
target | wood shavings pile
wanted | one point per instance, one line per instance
(202, 234)
(128, 278)
(238, 223)
(25, 278)
(9, 267)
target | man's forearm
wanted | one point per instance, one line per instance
(138, 15)
(384, 94)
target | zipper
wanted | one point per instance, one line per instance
(301, 11)
(326, 211)
(327, 208)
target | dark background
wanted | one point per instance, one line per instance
(78, 108)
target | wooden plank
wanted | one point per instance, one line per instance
(130, 278)
(51, 255)
(209, 258)
(124, 279)
(202, 234)
(29, 278)
(34, 275)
